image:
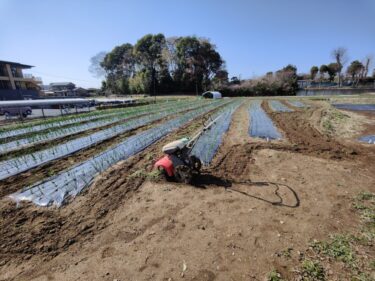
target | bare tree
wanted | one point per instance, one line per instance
(355, 71)
(341, 57)
(169, 53)
(313, 72)
(95, 67)
(366, 63)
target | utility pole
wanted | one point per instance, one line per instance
(153, 81)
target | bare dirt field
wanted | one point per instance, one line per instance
(300, 208)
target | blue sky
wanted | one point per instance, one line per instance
(253, 36)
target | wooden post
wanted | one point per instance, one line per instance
(44, 116)
(20, 113)
(61, 110)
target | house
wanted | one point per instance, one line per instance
(79, 91)
(14, 85)
(64, 89)
(93, 92)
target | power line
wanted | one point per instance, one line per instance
(63, 77)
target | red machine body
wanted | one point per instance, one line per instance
(166, 164)
(177, 162)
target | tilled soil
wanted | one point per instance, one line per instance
(370, 128)
(306, 138)
(256, 200)
(302, 137)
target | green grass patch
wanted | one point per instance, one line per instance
(338, 247)
(338, 115)
(372, 264)
(274, 276)
(365, 204)
(365, 196)
(362, 277)
(333, 117)
(287, 252)
(327, 125)
(351, 249)
(312, 271)
(153, 175)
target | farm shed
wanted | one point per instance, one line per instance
(212, 95)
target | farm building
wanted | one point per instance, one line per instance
(212, 95)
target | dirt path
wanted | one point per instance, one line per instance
(239, 127)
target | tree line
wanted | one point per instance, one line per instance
(190, 64)
(156, 64)
(356, 72)
(279, 83)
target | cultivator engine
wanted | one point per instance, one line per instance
(178, 163)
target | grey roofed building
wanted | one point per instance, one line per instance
(64, 89)
(59, 86)
(16, 64)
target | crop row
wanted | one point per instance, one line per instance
(49, 124)
(369, 139)
(20, 164)
(261, 125)
(209, 142)
(355, 107)
(69, 183)
(79, 128)
(56, 122)
(297, 104)
(278, 106)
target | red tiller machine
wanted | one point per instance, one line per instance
(178, 163)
